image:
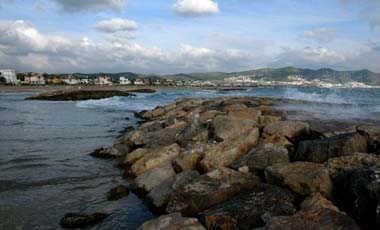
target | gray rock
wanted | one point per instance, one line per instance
(303, 178)
(154, 177)
(261, 157)
(250, 209)
(319, 151)
(209, 189)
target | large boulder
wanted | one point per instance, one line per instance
(303, 178)
(330, 128)
(188, 160)
(357, 193)
(290, 129)
(193, 133)
(243, 112)
(319, 151)
(225, 153)
(227, 128)
(261, 157)
(209, 189)
(159, 196)
(316, 200)
(312, 219)
(155, 139)
(172, 221)
(249, 209)
(340, 165)
(154, 158)
(150, 179)
(372, 133)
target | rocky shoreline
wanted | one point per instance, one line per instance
(242, 163)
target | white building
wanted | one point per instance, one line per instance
(8, 76)
(71, 81)
(139, 82)
(35, 79)
(104, 80)
(84, 81)
(124, 81)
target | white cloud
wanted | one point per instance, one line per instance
(196, 52)
(320, 34)
(90, 5)
(196, 7)
(115, 25)
(25, 48)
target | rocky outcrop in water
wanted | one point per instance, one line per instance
(76, 220)
(79, 95)
(243, 163)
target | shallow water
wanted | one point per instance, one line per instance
(45, 169)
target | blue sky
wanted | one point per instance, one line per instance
(171, 36)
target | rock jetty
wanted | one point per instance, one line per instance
(79, 95)
(243, 163)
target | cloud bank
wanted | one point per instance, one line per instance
(89, 5)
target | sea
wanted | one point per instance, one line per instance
(46, 170)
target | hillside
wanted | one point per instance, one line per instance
(268, 74)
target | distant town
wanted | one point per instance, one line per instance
(12, 77)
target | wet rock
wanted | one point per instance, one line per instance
(344, 164)
(249, 209)
(227, 128)
(78, 95)
(172, 221)
(209, 189)
(303, 178)
(76, 220)
(289, 129)
(357, 193)
(261, 157)
(372, 133)
(150, 179)
(319, 151)
(155, 157)
(225, 153)
(117, 193)
(312, 219)
(159, 196)
(106, 153)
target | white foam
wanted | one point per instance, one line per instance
(330, 97)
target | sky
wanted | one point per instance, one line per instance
(184, 36)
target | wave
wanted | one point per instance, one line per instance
(324, 96)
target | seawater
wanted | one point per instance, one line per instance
(45, 169)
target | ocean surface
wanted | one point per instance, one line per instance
(46, 170)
